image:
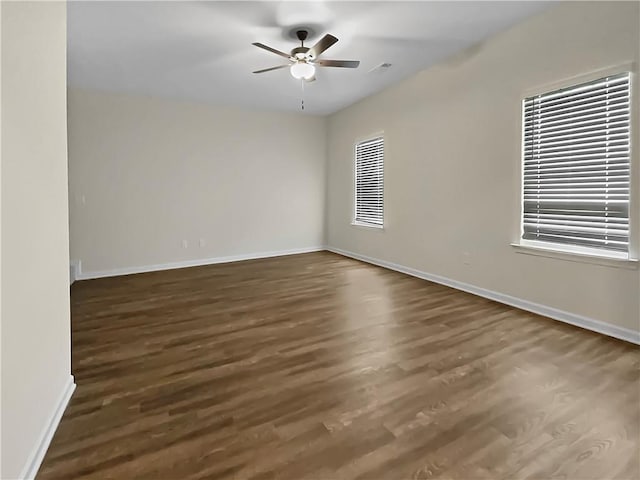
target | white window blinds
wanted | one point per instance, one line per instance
(576, 165)
(369, 182)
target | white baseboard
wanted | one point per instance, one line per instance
(35, 459)
(80, 275)
(74, 269)
(560, 315)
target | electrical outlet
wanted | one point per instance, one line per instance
(466, 258)
(185, 244)
(202, 242)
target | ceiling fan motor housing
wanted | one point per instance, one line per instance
(299, 52)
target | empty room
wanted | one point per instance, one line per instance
(330, 240)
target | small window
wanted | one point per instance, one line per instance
(369, 188)
(576, 166)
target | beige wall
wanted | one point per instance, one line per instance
(452, 160)
(0, 241)
(146, 174)
(35, 282)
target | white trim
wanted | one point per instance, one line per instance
(562, 253)
(631, 67)
(634, 166)
(553, 313)
(37, 455)
(192, 263)
(369, 136)
(586, 77)
(74, 270)
(356, 223)
(380, 135)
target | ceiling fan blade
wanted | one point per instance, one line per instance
(324, 43)
(272, 50)
(272, 68)
(338, 63)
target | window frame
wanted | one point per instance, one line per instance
(354, 221)
(576, 252)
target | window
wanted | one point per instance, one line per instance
(369, 186)
(576, 154)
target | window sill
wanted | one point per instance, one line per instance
(580, 257)
(368, 225)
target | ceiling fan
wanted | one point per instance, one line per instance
(304, 60)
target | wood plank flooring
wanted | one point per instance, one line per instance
(318, 366)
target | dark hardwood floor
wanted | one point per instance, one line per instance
(318, 366)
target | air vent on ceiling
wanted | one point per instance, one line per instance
(383, 67)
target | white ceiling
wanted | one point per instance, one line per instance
(201, 51)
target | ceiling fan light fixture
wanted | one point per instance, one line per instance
(301, 70)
